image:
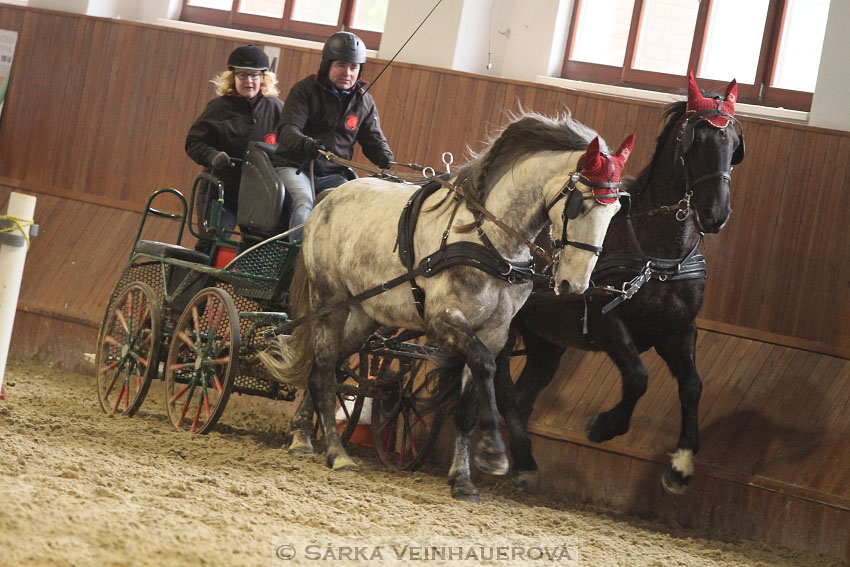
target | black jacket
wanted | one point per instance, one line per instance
(227, 124)
(316, 109)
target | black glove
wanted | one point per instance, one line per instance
(311, 148)
(220, 160)
(384, 162)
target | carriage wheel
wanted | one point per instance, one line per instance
(128, 350)
(405, 423)
(202, 361)
(349, 407)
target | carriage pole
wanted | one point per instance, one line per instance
(14, 241)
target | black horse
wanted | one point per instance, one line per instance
(682, 194)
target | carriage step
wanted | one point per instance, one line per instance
(264, 387)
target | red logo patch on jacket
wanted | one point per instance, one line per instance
(351, 122)
(270, 139)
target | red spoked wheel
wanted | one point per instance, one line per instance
(405, 418)
(128, 350)
(202, 361)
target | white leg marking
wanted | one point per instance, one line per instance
(682, 462)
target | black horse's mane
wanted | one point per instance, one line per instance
(673, 113)
(527, 133)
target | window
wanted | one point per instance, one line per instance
(772, 47)
(305, 19)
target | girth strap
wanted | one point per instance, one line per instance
(645, 268)
(483, 257)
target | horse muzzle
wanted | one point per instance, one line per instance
(564, 287)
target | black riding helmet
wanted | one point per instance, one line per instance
(248, 57)
(342, 46)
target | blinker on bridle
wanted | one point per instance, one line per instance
(686, 135)
(575, 202)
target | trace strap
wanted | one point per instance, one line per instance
(535, 249)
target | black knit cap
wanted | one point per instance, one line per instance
(248, 57)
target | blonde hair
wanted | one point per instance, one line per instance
(225, 84)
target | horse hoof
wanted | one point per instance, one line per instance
(342, 463)
(300, 445)
(674, 483)
(598, 429)
(526, 482)
(492, 463)
(466, 491)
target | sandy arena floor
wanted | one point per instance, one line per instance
(78, 487)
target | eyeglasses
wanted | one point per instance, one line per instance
(244, 76)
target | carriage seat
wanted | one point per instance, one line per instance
(173, 251)
(261, 193)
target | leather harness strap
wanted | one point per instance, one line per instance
(483, 257)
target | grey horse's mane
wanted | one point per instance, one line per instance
(526, 133)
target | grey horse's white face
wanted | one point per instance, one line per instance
(580, 224)
(575, 264)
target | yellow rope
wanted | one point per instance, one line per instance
(20, 224)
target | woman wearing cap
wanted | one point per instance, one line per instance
(246, 110)
(328, 110)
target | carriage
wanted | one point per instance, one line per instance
(197, 321)
(204, 347)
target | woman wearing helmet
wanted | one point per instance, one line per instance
(246, 110)
(328, 110)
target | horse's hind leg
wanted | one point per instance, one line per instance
(302, 424)
(358, 328)
(678, 353)
(323, 385)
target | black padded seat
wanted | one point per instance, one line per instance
(261, 194)
(173, 251)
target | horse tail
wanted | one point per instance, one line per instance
(289, 358)
(447, 382)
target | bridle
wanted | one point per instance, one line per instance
(574, 204)
(684, 141)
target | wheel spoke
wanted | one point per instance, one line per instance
(409, 428)
(118, 397)
(120, 317)
(186, 403)
(179, 394)
(196, 326)
(186, 340)
(195, 418)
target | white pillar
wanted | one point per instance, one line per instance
(12, 260)
(829, 102)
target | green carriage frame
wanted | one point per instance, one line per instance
(173, 316)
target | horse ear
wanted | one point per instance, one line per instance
(626, 147)
(591, 155)
(694, 94)
(732, 92)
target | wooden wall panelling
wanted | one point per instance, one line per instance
(11, 18)
(725, 268)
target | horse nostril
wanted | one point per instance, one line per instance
(564, 287)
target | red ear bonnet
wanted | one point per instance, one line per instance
(598, 169)
(698, 102)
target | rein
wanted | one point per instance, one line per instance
(535, 249)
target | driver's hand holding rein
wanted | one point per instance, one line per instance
(327, 111)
